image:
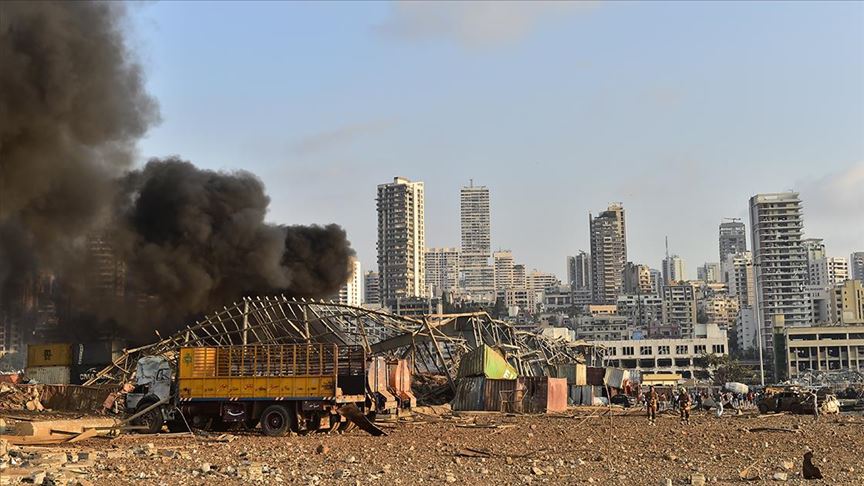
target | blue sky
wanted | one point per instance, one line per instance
(680, 110)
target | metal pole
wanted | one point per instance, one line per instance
(245, 320)
(759, 327)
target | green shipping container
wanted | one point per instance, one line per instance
(485, 361)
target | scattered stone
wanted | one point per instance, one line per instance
(697, 479)
(205, 468)
(450, 478)
(536, 471)
(748, 474)
(666, 482)
(780, 476)
(322, 449)
(787, 465)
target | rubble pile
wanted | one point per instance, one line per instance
(830, 378)
(20, 397)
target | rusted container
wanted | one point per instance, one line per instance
(499, 395)
(478, 393)
(542, 394)
(57, 354)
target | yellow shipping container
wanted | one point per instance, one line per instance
(58, 354)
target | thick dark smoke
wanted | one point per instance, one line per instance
(198, 239)
(72, 106)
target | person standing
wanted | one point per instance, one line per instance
(684, 404)
(651, 401)
(815, 400)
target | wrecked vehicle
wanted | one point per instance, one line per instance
(798, 401)
(284, 388)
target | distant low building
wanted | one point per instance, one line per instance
(823, 348)
(666, 355)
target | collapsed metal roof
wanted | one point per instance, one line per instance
(434, 342)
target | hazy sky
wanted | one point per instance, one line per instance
(681, 111)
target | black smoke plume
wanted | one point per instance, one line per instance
(198, 239)
(72, 106)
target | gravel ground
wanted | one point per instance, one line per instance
(569, 449)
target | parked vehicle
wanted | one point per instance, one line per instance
(284, 388)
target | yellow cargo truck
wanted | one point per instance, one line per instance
(290, 387)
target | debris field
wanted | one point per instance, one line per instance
(583, 446)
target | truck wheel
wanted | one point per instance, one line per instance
(153, 419)
(763, 409)
(275, 421)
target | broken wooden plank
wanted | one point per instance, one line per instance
(45, 427)
(87, 434)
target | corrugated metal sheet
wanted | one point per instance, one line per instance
(58, 354)
(469, 394)
(574, 373)
(616, 377)
(485, 361)
(594, 376)
(51, 375)
(478, 393)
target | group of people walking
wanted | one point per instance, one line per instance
(683, 402)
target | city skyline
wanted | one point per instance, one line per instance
(682, 124)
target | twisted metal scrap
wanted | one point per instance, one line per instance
(435, 343)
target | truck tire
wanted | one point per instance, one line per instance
(763, 409)
(152, 420)
(275, 421)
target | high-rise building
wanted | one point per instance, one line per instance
(780, 263)
(106, 272)
(637, 279)
(608, 254)
(856, 266)
(351, 291)
(673, 270)
(733, 239)
(477, 274)
(709, 272)
(401, 241)
(739, 278)
(442, 270)
(827, 272)
(579, 271)
(371, 292)
(679, 308)
(504, 263)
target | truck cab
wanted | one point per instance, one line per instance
(154, 383)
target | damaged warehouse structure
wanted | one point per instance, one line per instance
(353, 356)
